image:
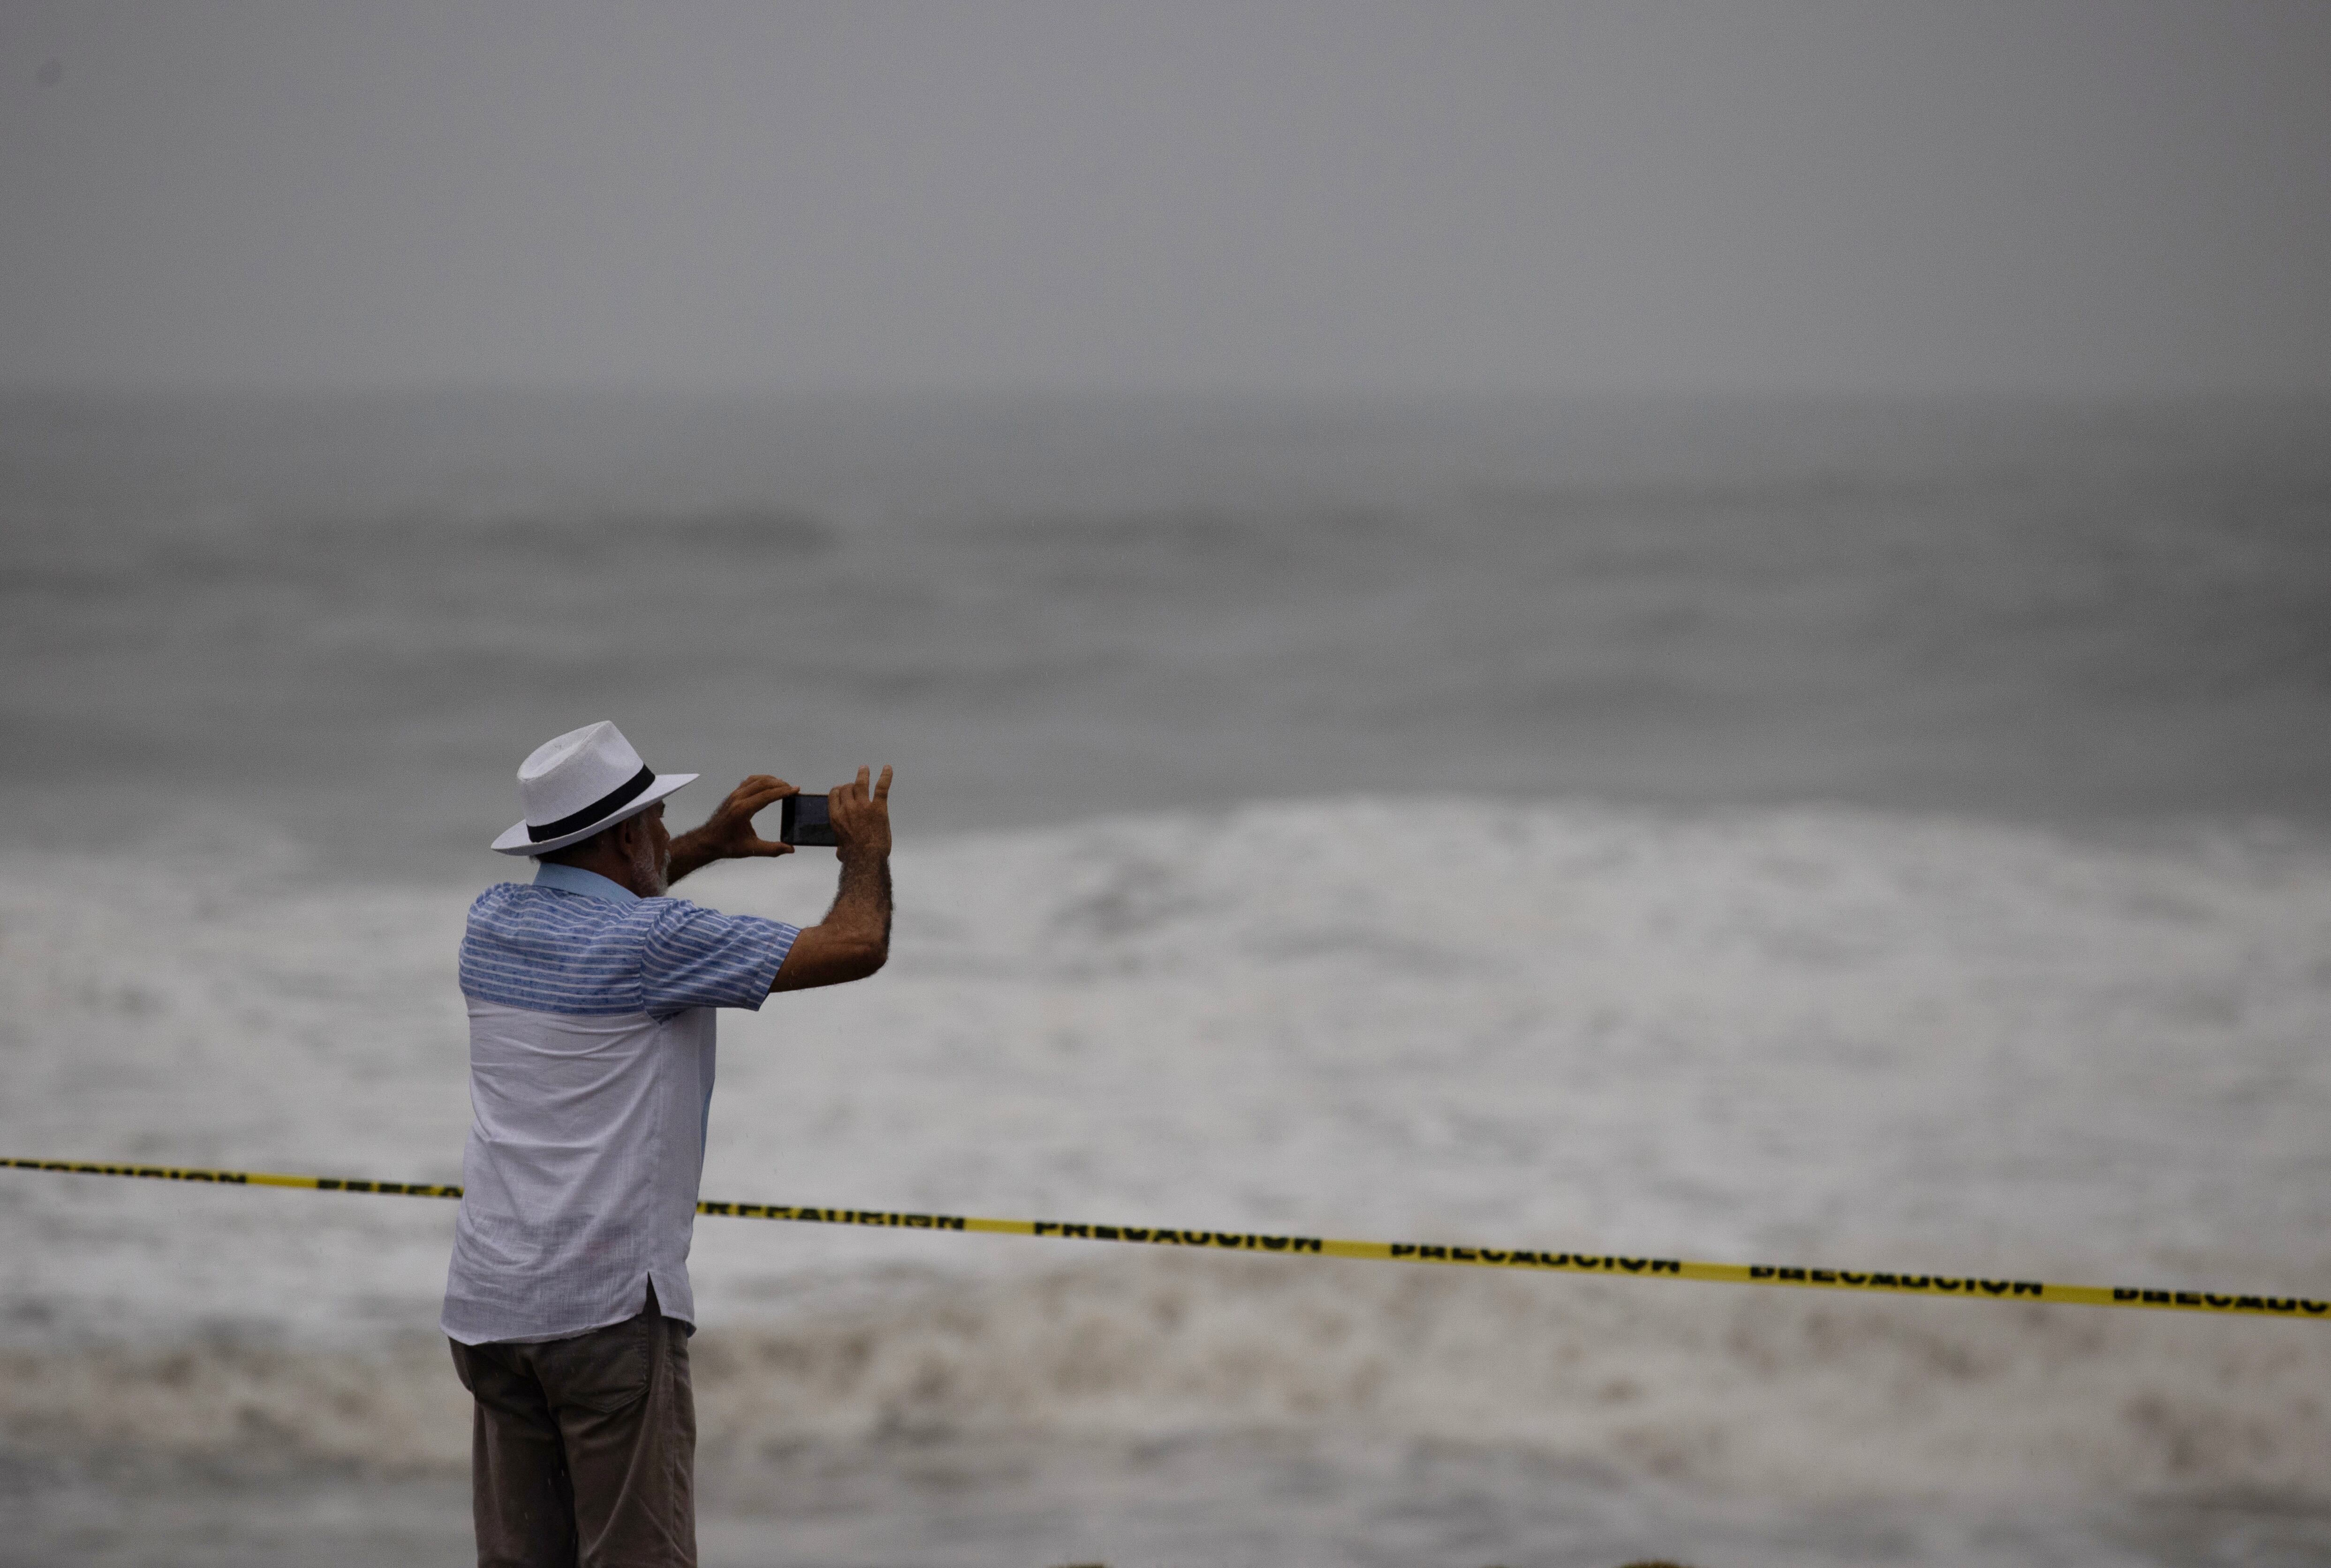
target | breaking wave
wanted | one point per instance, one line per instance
(1824, 1037)
(1721, 1391)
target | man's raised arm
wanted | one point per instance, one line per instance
(727, 834)
(853, 940)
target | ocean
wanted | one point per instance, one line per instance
(1885, 835)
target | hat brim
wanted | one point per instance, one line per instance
(517, 843)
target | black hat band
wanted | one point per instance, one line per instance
(622, 795)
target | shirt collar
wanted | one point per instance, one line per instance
(575, 879)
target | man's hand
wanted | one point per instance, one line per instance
(727, 834)
(853, 940)
(862, 822)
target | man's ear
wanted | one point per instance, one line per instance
(629, 834)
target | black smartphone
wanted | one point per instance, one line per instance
(804, 822)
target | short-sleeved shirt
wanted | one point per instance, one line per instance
(590, 1064)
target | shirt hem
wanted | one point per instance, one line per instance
(555, 1335)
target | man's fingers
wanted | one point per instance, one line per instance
(763, 847)
(883, 786)
(755, 795)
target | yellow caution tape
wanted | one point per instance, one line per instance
(1960, 1287)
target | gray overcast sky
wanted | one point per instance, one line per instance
(1938, 195)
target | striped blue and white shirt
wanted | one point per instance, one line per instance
(591, 1067)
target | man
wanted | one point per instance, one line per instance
(591, 1058)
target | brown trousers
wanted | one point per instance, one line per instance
(583, 1451)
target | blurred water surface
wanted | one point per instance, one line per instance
(349, 617)
(1882, 834)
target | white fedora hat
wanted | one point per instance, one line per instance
(585, 780)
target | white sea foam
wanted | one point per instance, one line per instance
(1815, 1036)
(1724, 1392)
